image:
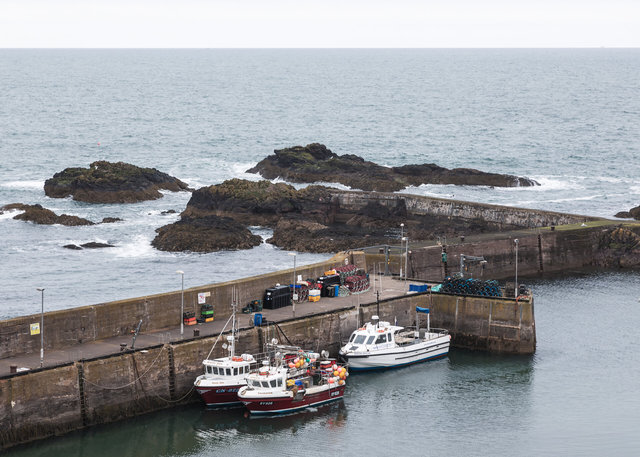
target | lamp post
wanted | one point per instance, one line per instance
(401, 240)
(41, 289)
(181, 273)
(295, 294)
(406, 259)
(516, 289)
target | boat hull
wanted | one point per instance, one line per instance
(399, 356)
(220, 396)
(261, 405)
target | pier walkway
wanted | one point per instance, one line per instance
(388, 287)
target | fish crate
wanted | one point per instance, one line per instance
(189, 318)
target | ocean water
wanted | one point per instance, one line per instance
(567, 118)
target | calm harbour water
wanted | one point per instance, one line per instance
(567, 118)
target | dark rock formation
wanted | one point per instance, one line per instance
(110, 220)
(314, 163)
(618, 247)
(632, 213)
(96, 245)
(106, 182)
(204, 234)
(39, 215)
(309, 219)
(259, 203)
(169, 211)
(74, 247)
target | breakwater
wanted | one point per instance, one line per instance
(51, 401)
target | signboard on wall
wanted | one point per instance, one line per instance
(35, 328)
(202, 297)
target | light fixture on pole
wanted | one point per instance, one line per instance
(406, 258)
(295, 293)
(401, 240)
(41, 289)
(180, 272)
(516, 288)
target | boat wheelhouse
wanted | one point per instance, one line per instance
(380, 345)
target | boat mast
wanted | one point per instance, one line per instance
(233, 323)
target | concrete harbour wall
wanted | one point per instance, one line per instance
(69, 327)
(52, 401)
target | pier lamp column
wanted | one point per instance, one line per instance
(41, 289)
(295, 293)
(401, 240)
(406, 258)
(181, 273)
(516, 289)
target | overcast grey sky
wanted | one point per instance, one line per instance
(321, 23)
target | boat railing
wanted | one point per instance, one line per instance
(410, 332)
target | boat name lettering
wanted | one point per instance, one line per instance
(335, 393)
(266, 403)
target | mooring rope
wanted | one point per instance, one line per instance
(84, 377)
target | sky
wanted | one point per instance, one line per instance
(318, 24)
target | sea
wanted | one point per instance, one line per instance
(567, 118)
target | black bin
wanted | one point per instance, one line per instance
(327, 282)
(276, 297)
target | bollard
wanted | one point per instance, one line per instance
(196, 332)
(13, 368)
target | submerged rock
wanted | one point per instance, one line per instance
(107, 182)
(96, 245)
(316, 163)
(110, 220)
(74, 247)
(39, 215)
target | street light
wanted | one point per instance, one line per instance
(516, 289)
(295, 294)
(180, 272)
(41, 289)
(406, 258)
(401, 240)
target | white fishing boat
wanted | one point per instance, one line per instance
(380, 345)
(224, 376)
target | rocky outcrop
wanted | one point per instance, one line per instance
(106, 182)
(308, 220)
(618, 247)
(316, 163)
(632, 213)
(39, 215)
(204, 234)
(110, 220)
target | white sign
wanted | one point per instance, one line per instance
(35, 329)
(202, 297)
(295, 297)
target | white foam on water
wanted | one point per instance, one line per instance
(139, 246)
(588, 197)
(23, 184)
(10, 214)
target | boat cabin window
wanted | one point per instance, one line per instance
(273, 383)
(256, 383)
(371, 338)
(235, 371)
(265, 384)
(228, 371)
(381, 338)
(353, 335)
(214, 370)
(360, 339)
(279, 382)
